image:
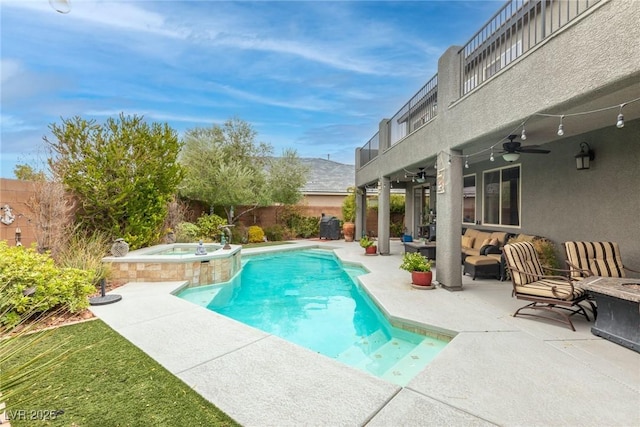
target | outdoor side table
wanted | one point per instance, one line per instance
(618, 301)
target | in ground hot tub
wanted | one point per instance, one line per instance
(176, 262)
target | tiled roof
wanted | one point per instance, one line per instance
(327, 176)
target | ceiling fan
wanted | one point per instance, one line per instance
(420, 177)
(512, 149)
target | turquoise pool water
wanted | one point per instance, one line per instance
(309, 298)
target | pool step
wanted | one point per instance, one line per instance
(387, 356)
(413, 362)
(360, 351)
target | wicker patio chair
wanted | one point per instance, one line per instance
(553, 294)
(595, 259)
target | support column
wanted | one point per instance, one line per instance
(409, 217)
(361, 213)
(449, 220)
(384, 215)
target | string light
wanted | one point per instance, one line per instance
(560, 132)
(620, 123)
(466, 163)
(561, 127)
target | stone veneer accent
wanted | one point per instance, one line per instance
(215, 270)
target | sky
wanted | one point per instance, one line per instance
(313, 76)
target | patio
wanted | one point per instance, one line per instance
(498, 370)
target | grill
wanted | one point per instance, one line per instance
(330, 228)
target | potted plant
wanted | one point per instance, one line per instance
(369, 245)
(349, 214)
(420, 269)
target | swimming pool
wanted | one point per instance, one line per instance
(309, 298)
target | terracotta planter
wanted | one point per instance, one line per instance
(422, 278)
(349, 229)
(371, 250)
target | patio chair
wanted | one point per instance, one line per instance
(553, 294)
(595, 259)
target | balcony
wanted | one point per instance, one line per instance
(518, 27)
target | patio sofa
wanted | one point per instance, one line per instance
(474, 240)
(482, 253)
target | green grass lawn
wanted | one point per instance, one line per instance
(107, 381)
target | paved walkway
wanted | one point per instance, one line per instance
(498, 370)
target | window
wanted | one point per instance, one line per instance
(502, 196)
(469, 199)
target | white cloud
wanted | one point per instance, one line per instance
(10, 68)
(117, 15)
(10, 124)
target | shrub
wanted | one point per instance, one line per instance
(255, 234)
(275, 233)
(187, 232)
(349, 205)
(289, 234)
(209, 226)
(122, 173)
(544, 247)
(396, 204)
(23, 269)
(85, 251)
(396, 229)
(239, 234)
(302, 226)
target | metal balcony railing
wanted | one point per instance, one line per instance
(421, 108)
(369, 151)
(517, 27)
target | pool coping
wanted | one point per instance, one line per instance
(260, 379)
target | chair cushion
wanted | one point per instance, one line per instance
(522, 256)
(498, 238)
(471, 232)
(467, 242)
(601, 258)
(481, 237)
(607, 267)
(546, 287)
(480, 260)
(470, 251)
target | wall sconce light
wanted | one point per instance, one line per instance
(18, 236)
(584, 157)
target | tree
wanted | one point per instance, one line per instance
(28, 173)
(123, 174)
(287, 175)
(225, 166)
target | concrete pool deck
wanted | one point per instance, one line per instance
(498, 370)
